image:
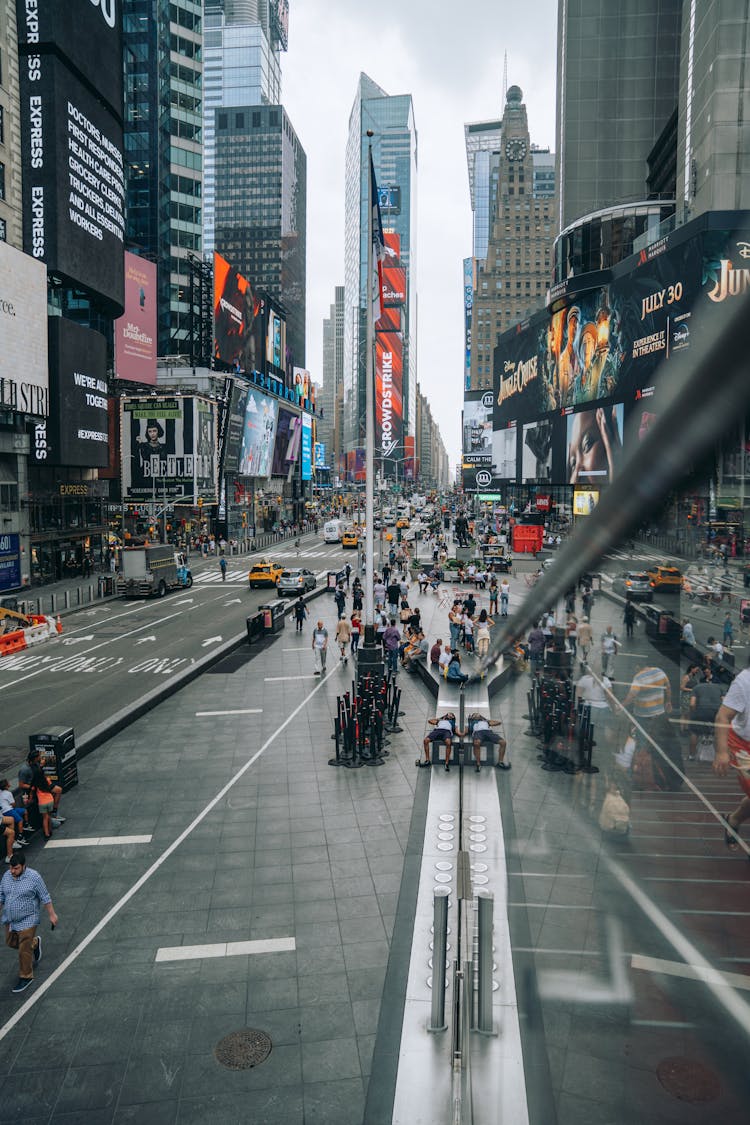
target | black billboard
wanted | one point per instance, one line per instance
(73, 180)
(88, 33)
(76, 433)
(235, 427)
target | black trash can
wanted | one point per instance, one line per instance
(59, 759)
(274, 617)
(254, 627)
(106, 585)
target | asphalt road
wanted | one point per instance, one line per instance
(113, 653)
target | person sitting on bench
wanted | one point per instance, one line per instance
(445, 729)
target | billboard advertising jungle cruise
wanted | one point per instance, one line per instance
(604, 345)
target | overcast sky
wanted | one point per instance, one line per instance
(449, 57)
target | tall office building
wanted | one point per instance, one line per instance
(514, 275)
(482, 156)
(10, 130)
(261, 208)
(332, 392)
(714, 108)
(394, 151)
(617, 83)
(162, 47)
(242, 44)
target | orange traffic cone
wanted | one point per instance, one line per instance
(59, 624)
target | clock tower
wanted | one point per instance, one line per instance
(512, 281)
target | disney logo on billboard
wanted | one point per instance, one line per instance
(483, 478)
(108, 8)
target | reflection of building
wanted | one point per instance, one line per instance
(394, 149)
(162, 45)
(241, 66)
(261, 207)
(515, 273)
(482, 157)
(431, 469)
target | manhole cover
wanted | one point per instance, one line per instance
(688, 1080)
(242, 1050)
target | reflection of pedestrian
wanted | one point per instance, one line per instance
(22, 893)
(732, 739)
(628, 617)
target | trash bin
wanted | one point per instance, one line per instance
(254, 627)
(334, 577)
(59, 759)
(274, 617)
(106, 585)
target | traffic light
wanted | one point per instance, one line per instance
(244, 519)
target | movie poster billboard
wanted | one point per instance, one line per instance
(235, 426)
(389, 406)
(256, 452)
(307, 442)
(169, 448)
(135, 330)
(594, 443)
(238, 319)
(287, 442)
(477, 427)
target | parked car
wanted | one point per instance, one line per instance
(264, 573)
(664, 577)
(635, 584)
(295, 581)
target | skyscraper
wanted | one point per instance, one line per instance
(261, 208)
(482, 152)
(513, 276)
(241, 67)
(617, 80)
(162, 48)
(394, 151)
(331, 396)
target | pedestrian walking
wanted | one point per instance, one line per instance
(22, 894)
(348, 573)
(300, 614)
(628, 616)
(609, 647)
(356, 630)
(320, 647)
(340, 599)
(223, 568)
(504, 597)
(728, 630)
(343, 638)
(585, 639)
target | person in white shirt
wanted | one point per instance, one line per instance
(732, 740)
(445, 658)
(609, 645)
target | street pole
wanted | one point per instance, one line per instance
(370, 658)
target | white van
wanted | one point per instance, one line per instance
(389, 516)
(333, 530)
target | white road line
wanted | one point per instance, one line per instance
(97, 841)
(226, 949)
(247, 711)
(73, 956)
(689, 972)
(283, 679)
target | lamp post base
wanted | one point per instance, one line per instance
(370, 656)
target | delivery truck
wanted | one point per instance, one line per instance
(152, 570)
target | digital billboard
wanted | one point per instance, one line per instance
(169, 448)
(135, 331)
(287, 443)
(238, 319)
(10, 562)
(394, 285)
(594, 445)
(536, 451)
(307, 435)
(477, 427)
(88, 33)
(389, 406)
(234, 428)
(73, 180)
(320, 455)
(276, 341)
(24, 382)
(504, 447)
(392, 248)
(256, 451)
(584, 501)
(468, 310)
(77, 430)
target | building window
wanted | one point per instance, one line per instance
(2, 181)
(239, 121)
(2, 125)
(222, 120)
(3, 230)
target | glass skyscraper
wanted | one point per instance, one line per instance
(482, 152)
(162, 48)
(394, 150)
(241, 67)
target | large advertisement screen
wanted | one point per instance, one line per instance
(10, 562)
(24, 382)
(468, 310)
(235, 425)
(389, 405)
(77, 430)
(477, 427)
(73, 180)
(287, 443)
(238, 319)
(276, 341)
(258, 434)
(169, 448)
(135, 331)
(307, 442)
(87, 32)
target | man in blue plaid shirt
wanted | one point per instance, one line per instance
(22, 894)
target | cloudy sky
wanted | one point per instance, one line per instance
(450, 59)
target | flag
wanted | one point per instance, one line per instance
(377, 251)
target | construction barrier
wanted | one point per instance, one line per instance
(20, 639)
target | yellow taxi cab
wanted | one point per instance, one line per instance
(264, 573)
(349, 539)
(664, 577)
(402, 522)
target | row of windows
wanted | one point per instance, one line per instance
(188, 102)
(186, 74)
(188, 19)
(184, 185)
(255, 120)
(185, 158)
(2, 180)
(188, 130)
(2, 125)
(185, 213)
(185, 47)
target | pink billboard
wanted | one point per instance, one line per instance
(135, 331)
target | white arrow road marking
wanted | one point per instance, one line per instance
(234, 601)
(211, 640)
(75, 640)
(185, 601)
(142, 640)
